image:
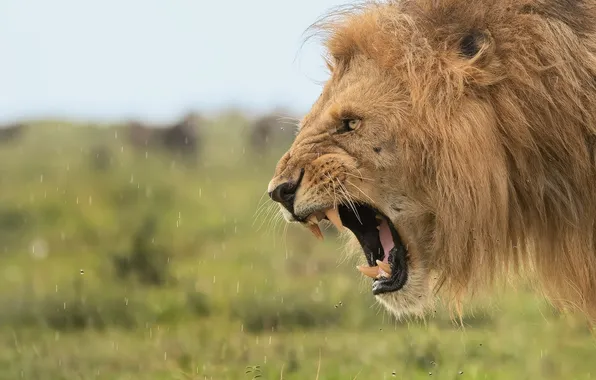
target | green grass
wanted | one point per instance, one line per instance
(121, 263)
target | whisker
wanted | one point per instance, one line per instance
(363, 193)
(274, 218)
(335, 202)
(350, 201)
(264, 209)
(260, 205)
(267, 214)
(285, 235)
(359, 177)
(262, 217)
(346, 195)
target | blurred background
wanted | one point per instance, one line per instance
(137, 241)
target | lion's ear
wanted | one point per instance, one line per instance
(476, 46)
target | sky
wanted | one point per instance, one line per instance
(155, 60)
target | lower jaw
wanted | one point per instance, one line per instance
(391, 270)
(399, 273)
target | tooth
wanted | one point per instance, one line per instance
(312, 219)
(386, 267)
(334, 218)
(314, 228)
(372, 272)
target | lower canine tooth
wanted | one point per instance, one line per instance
(314, 228)
(372, 272)
(313, 219)
(386, 267)
(333, 216)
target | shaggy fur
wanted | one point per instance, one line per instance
(477, 139)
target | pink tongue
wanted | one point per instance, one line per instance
(386, 239)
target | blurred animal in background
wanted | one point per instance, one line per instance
(272, 130)
(11, 132)
(182, 137)
(101, 157)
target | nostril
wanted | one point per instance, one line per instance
(284, 193)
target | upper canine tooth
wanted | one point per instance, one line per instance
(386, 267)
(372, 272)
(334, 218)
(314, 228)
(312, 219)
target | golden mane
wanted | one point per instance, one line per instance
(494, 130)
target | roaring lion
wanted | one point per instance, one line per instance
(456, 140)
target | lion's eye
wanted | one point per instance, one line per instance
(348, 125)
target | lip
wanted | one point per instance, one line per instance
(387, 267)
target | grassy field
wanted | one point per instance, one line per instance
(124, 263)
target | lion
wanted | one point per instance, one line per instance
(455, 140)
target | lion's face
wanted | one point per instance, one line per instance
(406, 148)
(351, 156)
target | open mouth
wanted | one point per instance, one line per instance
(385, 252)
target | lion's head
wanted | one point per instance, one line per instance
(455, 140)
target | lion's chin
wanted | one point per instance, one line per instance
(413, 300)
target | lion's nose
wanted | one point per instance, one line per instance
(285, 193)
